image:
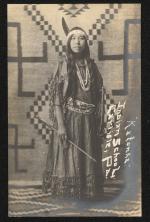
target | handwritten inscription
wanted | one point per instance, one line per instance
(113, 140)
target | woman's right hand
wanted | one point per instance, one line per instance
(62, 135)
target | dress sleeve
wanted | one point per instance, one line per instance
(62, 82)
(57, 88)
(54, 93)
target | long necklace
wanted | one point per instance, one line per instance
(85, 84)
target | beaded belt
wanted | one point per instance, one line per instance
(80, 106)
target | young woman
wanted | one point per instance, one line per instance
(74, 161)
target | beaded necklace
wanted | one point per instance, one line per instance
(85, 83)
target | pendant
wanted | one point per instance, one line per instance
(85, 84)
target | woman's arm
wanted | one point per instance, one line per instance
(59, 112)
(59, 116)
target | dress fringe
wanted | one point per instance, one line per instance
(71, 186)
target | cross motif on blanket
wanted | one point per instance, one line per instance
(39, 109)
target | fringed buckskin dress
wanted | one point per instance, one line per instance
(69, 171)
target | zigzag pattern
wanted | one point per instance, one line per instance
(30, 212)
(55, 40)
(32, 203)
(28, 196)
(122, 213)
(74, 10)
(47, 29)
(40, 101)
(36, 205)
(100, 24)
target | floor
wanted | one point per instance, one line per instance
(31, 202)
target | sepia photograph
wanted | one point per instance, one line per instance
(74, 110)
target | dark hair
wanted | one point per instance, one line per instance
(71, 56)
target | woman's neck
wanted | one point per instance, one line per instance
(80, 61)
(79, 56)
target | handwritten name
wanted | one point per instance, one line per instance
(129, 139)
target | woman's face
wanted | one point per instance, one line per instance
(77, 43)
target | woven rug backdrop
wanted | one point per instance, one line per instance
(35, 41)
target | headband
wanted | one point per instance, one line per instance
(77, 31)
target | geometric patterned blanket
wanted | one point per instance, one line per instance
(39, 112)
